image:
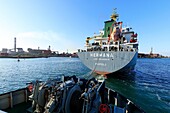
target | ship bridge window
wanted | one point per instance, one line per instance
(127, 29)
(97, 43)
(111, 43)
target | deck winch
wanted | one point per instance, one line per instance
(77, 95)
(70, 95)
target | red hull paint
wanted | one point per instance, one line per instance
(102, 72)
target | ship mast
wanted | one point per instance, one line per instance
(114, 16)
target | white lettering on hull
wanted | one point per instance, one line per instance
(105, 59)
(104, 55)
(100, 64)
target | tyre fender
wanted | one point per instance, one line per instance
(76, 88)
(41, 98)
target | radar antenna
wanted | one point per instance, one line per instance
(114, 16)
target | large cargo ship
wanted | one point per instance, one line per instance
(114, 49)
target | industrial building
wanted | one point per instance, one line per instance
(32, 53)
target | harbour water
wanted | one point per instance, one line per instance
(148, 85)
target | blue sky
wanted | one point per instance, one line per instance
(65, 24)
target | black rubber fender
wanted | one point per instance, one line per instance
(41, 98)
(73, 103)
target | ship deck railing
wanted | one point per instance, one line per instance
(112, 47)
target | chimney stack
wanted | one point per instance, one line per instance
(15, 44)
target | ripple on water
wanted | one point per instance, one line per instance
(148, 86)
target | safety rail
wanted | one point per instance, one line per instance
(109, 48)
(118, 102)
(10, 99)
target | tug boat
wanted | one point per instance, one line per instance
(114, 49)
(68, 94)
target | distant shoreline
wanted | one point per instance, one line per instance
(32, 57)
(19, 57)
(151, 55)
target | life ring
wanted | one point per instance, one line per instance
(30, 87)
(104, 108)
